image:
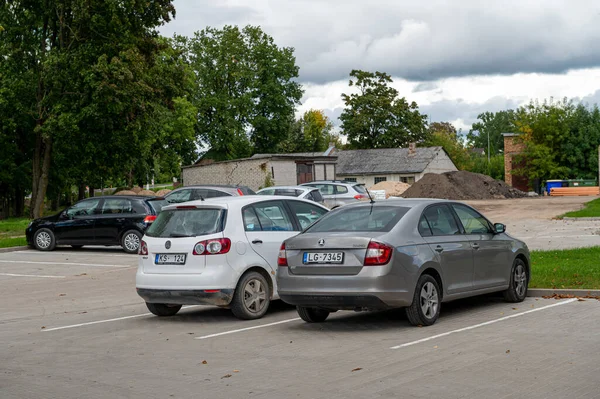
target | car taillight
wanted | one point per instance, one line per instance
(149, 218)
(360, 196)
(240, 192)
(217, 246)
(143, 248)
(282, 257)
(378, 254)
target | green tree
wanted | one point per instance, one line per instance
(376, 117)
(245, 90)
(491, 125)
(95, 100)
(444, 134)
(311, 133)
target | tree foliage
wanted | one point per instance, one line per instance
(377, 117)
(444, 134)
(491, 125)
(245, 90)
(313, 132)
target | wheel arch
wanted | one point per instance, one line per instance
(522, 257)
(433, 272)
(262, 271)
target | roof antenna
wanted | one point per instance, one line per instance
(371, 198)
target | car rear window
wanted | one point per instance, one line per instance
(157, 205)
(364, 218)
(359, 188)
(187, 223)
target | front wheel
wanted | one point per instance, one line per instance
(252, 297)
(519, 279)
(425, 307)
(131, 241)
(44, 240)
(163, 309)
(312, 315)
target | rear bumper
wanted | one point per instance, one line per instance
(186, 297)
(336, 302)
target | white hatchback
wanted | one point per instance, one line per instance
(220, 251)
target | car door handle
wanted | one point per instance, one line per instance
(120, 219)
(439, 248)
(257, 241)
(475, 245)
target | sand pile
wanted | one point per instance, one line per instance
(392, 188)
(461, 185)
(125, 192)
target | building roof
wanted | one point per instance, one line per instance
(385, 160)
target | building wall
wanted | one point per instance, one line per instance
(440, 164)
(249, 172)
(512, 147)
(319, 172)
(369, 180)
(330, 171)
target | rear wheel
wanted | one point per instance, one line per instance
(44, 240)
(517, 291)
(163, 309)
(131, 241)
(252, 297)
(312, 315)
(425, 307)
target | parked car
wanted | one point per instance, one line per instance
(207, 191)
(305, 192)
(108, 220)
(400, 253)
(339, 192)
(219, 252)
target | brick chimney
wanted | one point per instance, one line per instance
(412, 149)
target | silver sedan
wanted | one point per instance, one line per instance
(411, 253)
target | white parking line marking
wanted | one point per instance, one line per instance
(99, 252)
(28, 275)
(106, 321)
(482, 324)
(62, 263)
(247, 328)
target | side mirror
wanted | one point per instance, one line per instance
(499, 228)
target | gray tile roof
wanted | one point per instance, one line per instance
(384, 160)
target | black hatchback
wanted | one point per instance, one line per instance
(108, 220)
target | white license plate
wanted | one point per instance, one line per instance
(323, 257)
(170, 259)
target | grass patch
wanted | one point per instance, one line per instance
(12, 232)
(566, 269)
(12, 242)
(591, 209)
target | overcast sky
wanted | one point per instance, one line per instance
(454, 58)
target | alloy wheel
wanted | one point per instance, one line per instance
(520, 280)
(132, 242)
(429, 300)
(43, 240)
(255, 296)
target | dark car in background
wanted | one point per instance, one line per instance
(206, 191)
(108, 220)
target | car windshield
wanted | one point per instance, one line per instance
(157, 204)
(187, 223)
(359, 188)
(364, 218)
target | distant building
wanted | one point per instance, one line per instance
(513, 146)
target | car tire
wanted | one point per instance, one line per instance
(44, 240)
(425, 307)
(252, 297)
(519, 280)
(76, 246)
(130, 241)
(163, 309)
(312, 315)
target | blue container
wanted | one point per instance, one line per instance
(555, 183)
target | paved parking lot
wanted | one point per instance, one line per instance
(72, 326)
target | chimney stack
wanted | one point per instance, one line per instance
(412, 149)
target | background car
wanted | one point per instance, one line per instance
(339, 192)
(218, 252)
(305, 192)
(400, 253)
(193, 193)
(108, 220)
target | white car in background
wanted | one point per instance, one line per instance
(305, 192)
(220, 251)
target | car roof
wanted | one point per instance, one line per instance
(241, 201)
(137, 197)
(304, 188)
(212, 186)
(352, 183)
(400, 202)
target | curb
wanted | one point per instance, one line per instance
(13, 249)
(539, 292)
(584, 219)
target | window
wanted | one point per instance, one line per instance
(288, 192)
(351, 179)
(156, 205)
(325, 189)
(116, 205)
(267, 191)
(306, 213)
(441, 221)
(472, 221)
(380, 179)
(187, 223)
(364, 218)
(83, 208)
(206, 193)
(271, 216)
(411, 179)
(179, 196)
(359, 188)
(315, 195)
(341, 190)
(424, 228)
(404, 179)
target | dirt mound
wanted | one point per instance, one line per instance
(125, 192)
(461, 185)
(392, 188)
(163, 192)
(136, 189)
(148, 193)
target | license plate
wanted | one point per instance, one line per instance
(170, 259)
(323, 257)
